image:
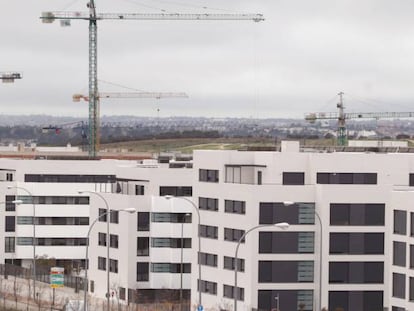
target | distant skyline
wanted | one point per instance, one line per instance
(294, 62)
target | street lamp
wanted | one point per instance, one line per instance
(85, 285)
(281, 225)
(169, 197)
(107, 245)
(34, 233)
(181, 264)
(289, 203)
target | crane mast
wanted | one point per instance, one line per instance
(93, 17)
(342, 116)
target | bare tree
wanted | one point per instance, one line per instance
(17, 287)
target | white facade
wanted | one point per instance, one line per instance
(362, 199)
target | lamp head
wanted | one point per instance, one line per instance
(282, 225)
(130, 210)
(81, 192)
(168, 197)
(288, 203)
(17, 201)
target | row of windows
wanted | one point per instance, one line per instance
(285, 271)
(113, 216)
(294, 214)
(53, 221)
(143, 244)
(54, 178)
(23, 241)
(183, 191)
(69, 200)
(113, 240)
(356, 272)
(166, 267)
(143, 219)
(113, 264)
(357, 214)
(230, 206)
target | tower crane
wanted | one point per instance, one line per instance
(157, 95)
(342, 116)
(93, 18)
(9, 77)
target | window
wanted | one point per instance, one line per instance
(298, 213)
(267, 300)
(357, 214)
(356, 300)
(38, 200)
(293, 178)
(411, 256)
(24, 241)
(229, 263)
(411, 224)
(101, 239)
(411, 181)
(113, 265)
(102, 215)
(142, 246)
(142, 271)
(356, 243)
(233, 235)
(171, 217)
(183, 191)
(398, 285)
(92, 286)
(114, 217)
(143, 221)
(208, 204)
(9, 244)
(400, 222)
(10, 224)
(228, 291)
(210, 232)
(122, 293)
(411, 293)
(234, 207)
(207, 287)
(207, 259)
(102, 263)
(208, 175)
(50, 178)
(356, 272)
(286, 242)
(10, 206)
(347, 178)
(139, 190)
(285, 271)
(166, 267)
(113, 240)
(399, 254)
(170, 242)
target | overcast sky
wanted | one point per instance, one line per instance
(294, 62)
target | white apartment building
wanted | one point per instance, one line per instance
(349, 213)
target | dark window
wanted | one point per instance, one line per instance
(411, 179)
(166, 267)
(143, 221)
(10, 224)
(208, 175)
(285, 271)
(207, 287)
(347, 178)
(356, 300)
(102, 239)
(142, 246)
(234, 207)
(411, 290)
(114, 217)
(229, 263)
(183, 191)
(293, 178)
(208, 204)
(400, 222)
(102, 263)
(357, 214)
(113, 265)
(142, 271)
(288, 300)
(228, 291)
(49, 178)
(122, 293)
(92, 286)
(139, 190)
(398, 285)
(411, 224)
(113, 240)
(356, 272)
(207, 259)
(233, 235)
(356, 243)
(286, 242)
(61, 200)
(9, 244)
(210, 232)
(297, 213)
(171, 242)
(399, 254)
(411, 256)
(398, 309)
(102, 214)
(10, 206)
(171, 217)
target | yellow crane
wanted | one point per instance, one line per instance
(341, 116)
(93, 17)
(157, 95)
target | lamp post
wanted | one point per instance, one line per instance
(34, 234)
(169, 197)
(85, 284)
(107, 245)
(181, 263)
(281, 225)
(288, 203)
